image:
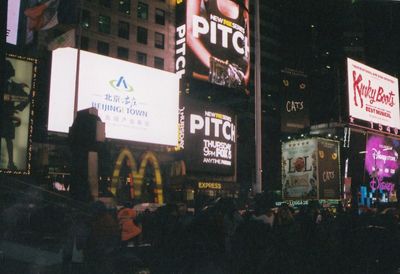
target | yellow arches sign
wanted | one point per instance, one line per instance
(137, 173)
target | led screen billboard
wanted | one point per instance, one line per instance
(373, 97)
(208, 138)
(212, 41)
(16, 125)
(137, 103)
(381, 161)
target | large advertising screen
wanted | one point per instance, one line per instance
(373, 97)
(16, 124)
(381, 161)
(213, 41)
(25, 19)
(208, 139)
(136, 103)
(299, 169)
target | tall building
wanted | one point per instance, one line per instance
(137, 31)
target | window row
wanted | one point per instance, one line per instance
(122, 53)
(104, 26)
(124, 6)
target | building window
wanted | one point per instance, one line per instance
(123, 53)
(105, 3)
(142, 35)
(160, 17)
(84, 43)
(158, 62)
(123, 30)
(143, 11)
(159, 40)
(104, 23)
(141, 58)
(103, 48)
(85, 19)
(124, 6)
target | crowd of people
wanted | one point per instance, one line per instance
(220, 238)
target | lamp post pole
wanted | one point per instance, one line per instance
(257, 187)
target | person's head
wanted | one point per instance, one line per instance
(9, 70)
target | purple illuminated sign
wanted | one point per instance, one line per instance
(381, 161)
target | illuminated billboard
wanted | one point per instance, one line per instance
(13, 21)
(16, 120)
(310, 169)
(208, 138)
(137, 103)
(373, 97)
(381, 161)
(212, 41)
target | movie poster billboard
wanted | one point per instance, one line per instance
(213, 41)
(209, 143)
(136, 103)
(381, 161)
(373, 97)
(294, 104)
(299, 170)
(329, 178)
(15, 130)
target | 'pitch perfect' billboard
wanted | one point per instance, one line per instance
(213, 42)
(373, 97)
(136, 103)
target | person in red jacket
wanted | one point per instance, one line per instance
(129, 230)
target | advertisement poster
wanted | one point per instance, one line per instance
(294, 104)
(299, 169)
(210, 139)
(25, 19)
(136, 103)
(373, 97)
(15, 121)
(381, 161)
(213, 42)
(329, 177)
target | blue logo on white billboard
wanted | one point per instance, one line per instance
(121, 85)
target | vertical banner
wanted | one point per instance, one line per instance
(16, 123)
(294, 104)
(213, 41)
(299, 169)
(328, 169)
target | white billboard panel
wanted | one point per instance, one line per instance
(137, 103)
(373, 95)
(12, 21)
